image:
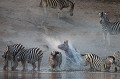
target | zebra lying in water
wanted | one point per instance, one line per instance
(55, 60)
(29, 55)
(96, 63)
(9, 55)
(58, 4)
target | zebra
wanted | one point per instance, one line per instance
(111, 28)
(58, 4)
(9, 55)
(55, 60)
(110, 60)
(29, 56)
(116, 55)
(96, 63)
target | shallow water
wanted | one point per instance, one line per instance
(58, 75)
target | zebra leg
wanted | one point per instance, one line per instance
(24, 65)
(40, 5)
(106, 38)
(39, 62)
(5, 65)
(14, 65)
(60, 13)
(34, 66)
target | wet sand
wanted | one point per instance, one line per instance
(58, 75)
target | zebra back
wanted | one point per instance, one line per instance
(13, 50)
(34, 54)
(95, 61)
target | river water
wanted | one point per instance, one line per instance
(58, 75)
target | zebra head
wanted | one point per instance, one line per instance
(86, 58)
(54, 54)
(64, 46)
(111, 59)
(103, 18)
(6, 54)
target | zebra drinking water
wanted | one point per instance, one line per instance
(112, 28)
(96, 63)
(58, 4)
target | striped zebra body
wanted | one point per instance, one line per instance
(112, 28)
(9, 55)
(29, 55)
(116, 55)
(110, 61)
(58, 4)
(55, 60)
(96, 63)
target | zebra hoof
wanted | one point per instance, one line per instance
(115, 69)
(13, 69)
(4, 68)
(71, 14)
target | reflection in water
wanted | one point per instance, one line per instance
(58, 75)
(55, 76)
(103, 75)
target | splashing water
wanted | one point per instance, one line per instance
(53, 42)
(73, 57)
(68, 63)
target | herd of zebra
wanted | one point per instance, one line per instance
(17, 53)
(112, 28)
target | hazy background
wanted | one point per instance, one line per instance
(21, 21)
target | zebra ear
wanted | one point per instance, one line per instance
(66, 41)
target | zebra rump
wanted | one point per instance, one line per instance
(55, 60)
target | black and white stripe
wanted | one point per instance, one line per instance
(96, 63)
(116, 55)
(9, 55)
(109, 28)
(58, 4)
(55, 60)
(113, 28)
(29, 55)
